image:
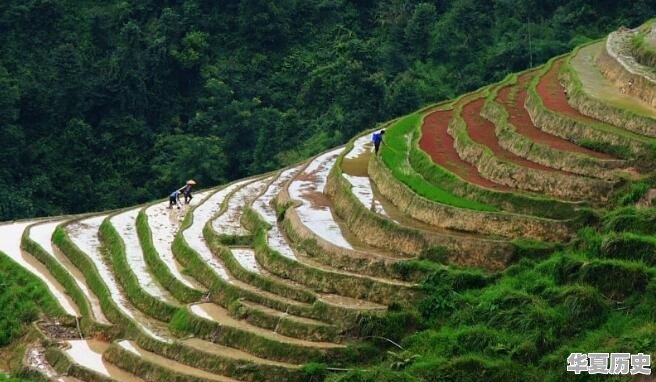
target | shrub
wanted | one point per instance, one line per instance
(479, 339)
(458, 279)
(630, 247)
(526, 351)
(393, 324)
(512, 310)
(414, 269)
(437, 254)
(375, 375)
(583, 306)
(629, 219)
(616, 279)
(619, 151)
(633, 194)
(314, 371)
(532, 249)
(473, 368)
(440, 303)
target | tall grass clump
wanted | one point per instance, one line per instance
(631, 219)
(22, 298)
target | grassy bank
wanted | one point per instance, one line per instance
(22, 298)
(596, 295)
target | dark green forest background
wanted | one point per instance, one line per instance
(112, 103)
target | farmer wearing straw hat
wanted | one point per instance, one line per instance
(186, 190)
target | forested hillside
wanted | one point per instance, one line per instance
(111, 103)
(504, 234)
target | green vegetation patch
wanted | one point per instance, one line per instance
(395, 153)
(642, 48)
(598, 294)
(22, 298)
(5, 378)
(636, 220)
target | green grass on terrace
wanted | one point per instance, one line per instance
(643, 48)
(593, 296)
(395, 153)
(4, 378)
(22, 298)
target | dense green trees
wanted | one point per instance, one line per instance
(111, 103)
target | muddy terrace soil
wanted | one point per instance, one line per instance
(482, 131)
(519, 117)
(357, 166)
(57, 330)
(438, 144)
(553, 94)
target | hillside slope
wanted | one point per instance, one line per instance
(221, 88)
(494, 228)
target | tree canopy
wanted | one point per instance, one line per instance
(112, 103)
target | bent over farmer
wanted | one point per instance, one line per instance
(377, 139)
(174, 199)
(186, 190)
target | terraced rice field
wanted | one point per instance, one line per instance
(89, 355)
(513, 99)
(259, 277)
(618, 47)
(483, 132)
(84, 234)
(597, 86)
(436, 141)
(41, 234)
(125, 224)
(314, 210)
(554, 96)
(263, 205)
(10, 245)
(354, 167)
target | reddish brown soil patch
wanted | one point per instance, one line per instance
(482, 132)
(308, 176)
(438, 144)
(554, 96)
(317, 200)
(513, 98)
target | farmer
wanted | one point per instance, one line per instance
(377, 139)
(174, 199)
(186, 190)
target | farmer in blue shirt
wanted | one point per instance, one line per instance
(377, 139)
(174, 199)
